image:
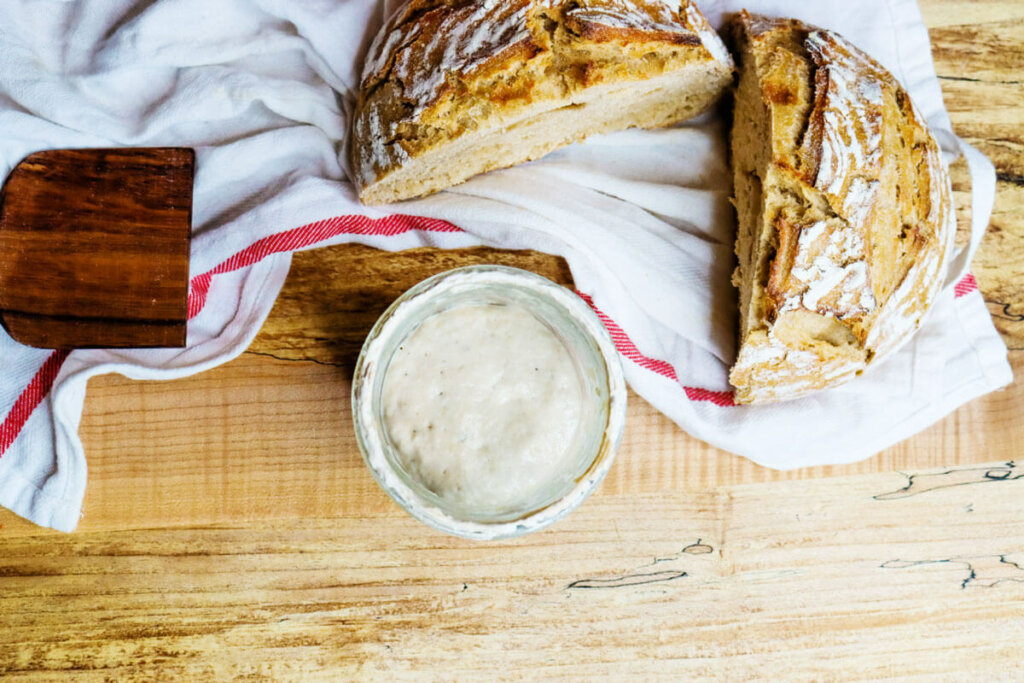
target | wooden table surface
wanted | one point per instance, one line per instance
(231, 530)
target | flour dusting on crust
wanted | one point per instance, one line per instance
(830, 268)
(652, 16)
(458, 43)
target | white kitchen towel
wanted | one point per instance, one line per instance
(641, 216)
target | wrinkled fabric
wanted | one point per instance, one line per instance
(262, 89)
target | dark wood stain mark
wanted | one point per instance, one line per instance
(983, 571)
(1006, 314)
(640, 578)
(978, 80)
(294, 360)
(628, 580)
(696, 548)
(922, 483)
(1013, 178)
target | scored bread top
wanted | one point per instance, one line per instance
(441, 68)
(861, 208)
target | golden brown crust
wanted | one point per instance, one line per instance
(441, 69)
(856, 205)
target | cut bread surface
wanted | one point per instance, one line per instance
(453, 89)
(652, 103)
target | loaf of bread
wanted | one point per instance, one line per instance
(845, 210)
(453, 88)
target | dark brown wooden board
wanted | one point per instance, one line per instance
(94, 248)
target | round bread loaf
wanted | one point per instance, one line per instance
(453, 88)
(845, 210)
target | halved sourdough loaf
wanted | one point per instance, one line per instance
(453, 88)
(844, 206)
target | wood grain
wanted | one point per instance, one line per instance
(95, 248)
(816, 580)
(979, 57)
(231, 531)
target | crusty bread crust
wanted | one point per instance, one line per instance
(845, 210)
(459, 74)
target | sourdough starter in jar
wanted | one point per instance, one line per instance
(482, 404)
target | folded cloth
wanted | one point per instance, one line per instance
(642, 218)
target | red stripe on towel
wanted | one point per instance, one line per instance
(966, 285)
(308, 235)
(30, 398)
(628, 349)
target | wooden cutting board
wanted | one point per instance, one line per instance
(231, 530)
(94, 248)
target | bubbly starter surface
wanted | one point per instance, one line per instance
(482, 403)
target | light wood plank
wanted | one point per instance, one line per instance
(815, 579)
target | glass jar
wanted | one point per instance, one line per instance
(598, 369)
